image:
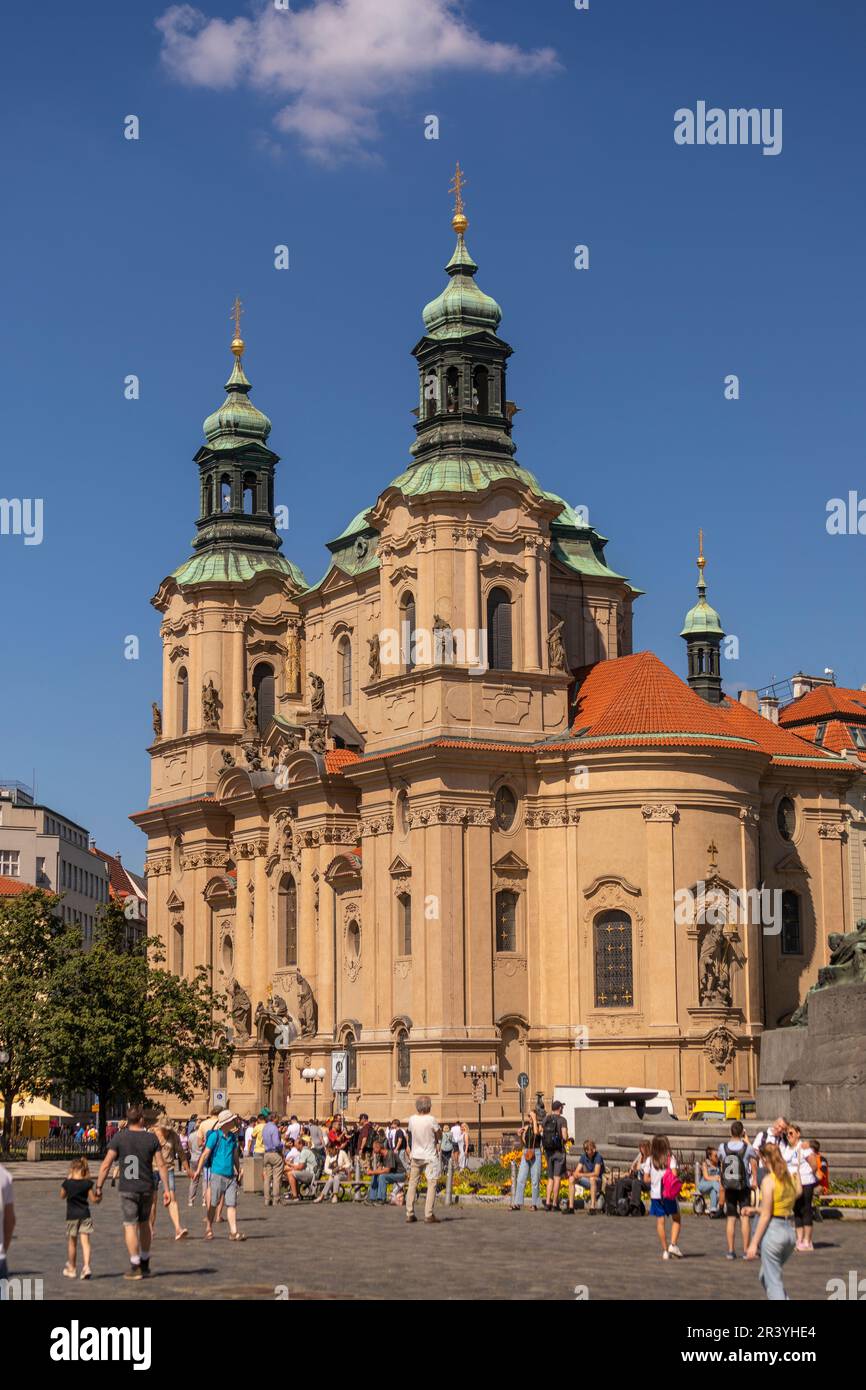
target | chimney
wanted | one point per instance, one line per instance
(749, 698)
(770, 708)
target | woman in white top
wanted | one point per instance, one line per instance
(337, 1166)
(661, 1161)
(458, 1137)
(802, 1162)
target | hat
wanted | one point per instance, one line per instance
(225, 1117)
(263, 1114)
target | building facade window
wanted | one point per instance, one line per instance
(506, 921)
(505, 808)
(786, 818)
(182, 700)
(178, 948)
(263, 689)
(407, 631)
(499, 656)
(353, 940)
(287, 937)
(351, 1061)
(792, 941)
(344, 652)
(404, 925)
(614, 981)
(10, 863)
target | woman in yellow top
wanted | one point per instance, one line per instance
(774, 1232)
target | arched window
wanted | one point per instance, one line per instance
(404, 1059)
(480, 391)
(225, 493)
(499, 630)
(792, 941)
(287, 922)
(407, 631)
(404, 925)
(452, 391)
(431, 394)
(250, 494)
(506, 921)
(178, 948)
(614, 983)
(263, 688)
(206, 497)
(344, 652)
(182, 700)
(228, 955)
(511, 1055)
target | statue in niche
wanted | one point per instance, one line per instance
(253, 756)
(375, 657)
(251, 713)
(714, 968)
(443, 641)
(228, 758)
(556, 657)
(317, 736)
(317, 692)
(308, 1013)
(211, 705)
(293, 661)
(240, 1010)
(157, 719)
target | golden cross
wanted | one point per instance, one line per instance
(237, 310)
(457, 186)
(711, 850)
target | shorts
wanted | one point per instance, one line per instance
(555, 1162)
(738, 1200)
(80, 1226)
(135, 1207)
(585, 1181)
(156, 1180)
(663, 1206)
(221, 1186)
(803, 1206)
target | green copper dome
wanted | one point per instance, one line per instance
(462, 308)
(702, 621)
(237, 421)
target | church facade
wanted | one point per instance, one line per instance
(433, 813)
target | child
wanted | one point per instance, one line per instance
(75, 1191)
(660, 1168)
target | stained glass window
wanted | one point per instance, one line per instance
(614, 983)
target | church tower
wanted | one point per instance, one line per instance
(703, 634)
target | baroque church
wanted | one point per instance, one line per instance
(433, 813)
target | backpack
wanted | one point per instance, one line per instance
(447, 1144)
(671, 1184)
(551, 1133)
(735, 1174)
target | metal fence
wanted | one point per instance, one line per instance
(55, 1146)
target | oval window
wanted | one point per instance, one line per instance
(353, 940)
(786, 818)
(505, 807)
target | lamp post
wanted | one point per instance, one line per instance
(479, 1076)
(314, 1074)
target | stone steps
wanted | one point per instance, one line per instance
(843, 1145)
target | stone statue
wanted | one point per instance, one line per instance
(317, 692)
(847, 966)
(443, 640)
(293, 661)
(307, 1010)
(251, 714)
(211, 704)
(317, 736)
(253, 756)
(556, 658)
(228, 758)
(270, 1017)
(240, 1010)
(157, 719)
(714, 968)
(375, 657)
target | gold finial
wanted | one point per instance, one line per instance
(237, 340)
(701, 560)
(459, 221)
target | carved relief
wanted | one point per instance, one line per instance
(660, 811)
(352, 939)
(538, 817)
(720, 1046)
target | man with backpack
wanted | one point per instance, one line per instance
(737, 1163)
(554, 1137)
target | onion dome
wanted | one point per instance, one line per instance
(462, 308)
(237, 419)
(702, 620)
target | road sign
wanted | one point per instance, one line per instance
(523, 1081)
(220, 1098)
(724, 1091)
(339, 1069)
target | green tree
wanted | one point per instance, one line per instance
(123, 1025)
(33, 944)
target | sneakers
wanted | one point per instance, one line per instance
(134, 1272)
(145, 1269)
(675, 1250)
(666, 1255)
(729, 1255)
(411, 1217)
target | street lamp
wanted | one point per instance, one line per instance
(478, 1076)
(314, 1074)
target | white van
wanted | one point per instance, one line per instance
(589, 1097)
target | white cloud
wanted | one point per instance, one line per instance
(337, 61)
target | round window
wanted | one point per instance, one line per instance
(505, 807)
(786, 818)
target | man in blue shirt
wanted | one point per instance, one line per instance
(273, 1146)
(222, 1155)
(588, 1175)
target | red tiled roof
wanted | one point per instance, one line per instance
(120, 882)
(13, 887)
(338, 758)
(826, 702)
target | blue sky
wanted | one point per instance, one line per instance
(125, 257)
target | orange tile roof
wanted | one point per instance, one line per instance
(14, 887)
(338, 758)
(826, 702)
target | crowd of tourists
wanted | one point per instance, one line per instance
(767, 1186)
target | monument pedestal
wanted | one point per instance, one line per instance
(818, 1072)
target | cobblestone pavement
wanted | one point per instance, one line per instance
(351, 1251)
